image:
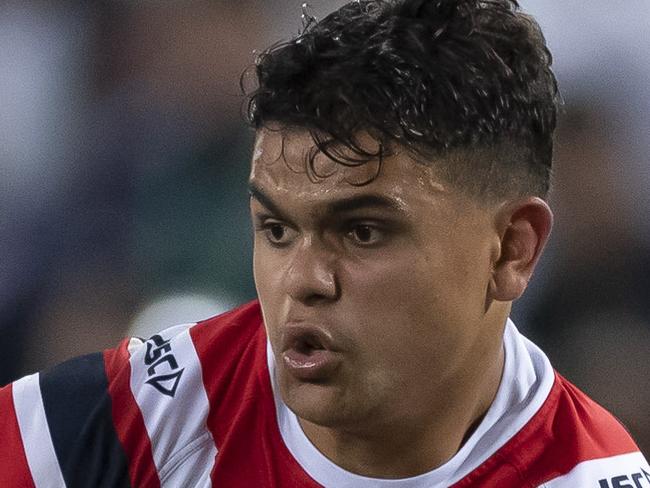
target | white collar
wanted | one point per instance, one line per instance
(526, 382)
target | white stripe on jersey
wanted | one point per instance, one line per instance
(176, 424)
(41, 457)
(525, 385)
(626, 470)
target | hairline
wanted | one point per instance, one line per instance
(441, 162)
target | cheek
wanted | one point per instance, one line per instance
(260, 271)
(267, 263)
(266, 273)
(396, 299)
(402, 326)
(421, 297)
(397, 282)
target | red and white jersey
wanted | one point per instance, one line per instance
(197, 406)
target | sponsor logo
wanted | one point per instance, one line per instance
(163, 371)
(634, 480)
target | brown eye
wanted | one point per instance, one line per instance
(277, 232)
(364, 234)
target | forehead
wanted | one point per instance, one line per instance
(281, 166)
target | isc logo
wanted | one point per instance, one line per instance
(163, 371)
(635, 480)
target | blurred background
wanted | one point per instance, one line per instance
(124, 157)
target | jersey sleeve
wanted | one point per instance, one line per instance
(588, 446)
(147, 413)
(60, 429)
(605, 454)
(14, 467)
(623, 471)
(126, 417)
(160, 408)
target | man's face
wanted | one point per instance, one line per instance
(372, 295)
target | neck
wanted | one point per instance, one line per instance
(406, 446)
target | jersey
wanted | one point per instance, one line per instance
(198, 406)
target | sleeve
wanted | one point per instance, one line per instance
(127, 417)
(623, 471)
(14, 468)
(59, 430)
(595, 448)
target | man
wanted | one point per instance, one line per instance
(398, 190)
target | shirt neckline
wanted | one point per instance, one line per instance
(526, 381)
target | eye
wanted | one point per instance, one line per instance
(366, 234)
(277, 234)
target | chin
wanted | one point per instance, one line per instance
(319, 404)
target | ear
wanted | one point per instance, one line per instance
(523, 227)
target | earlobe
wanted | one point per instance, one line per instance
(523, 227)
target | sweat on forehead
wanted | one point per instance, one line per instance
(298, 150)
(281, 161)
(435, 77)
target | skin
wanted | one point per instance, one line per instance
(415, 295)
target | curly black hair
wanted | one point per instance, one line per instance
(463, 85)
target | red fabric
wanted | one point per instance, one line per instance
(242, 419)
(14, 470)
(128, 419)
(569, 428)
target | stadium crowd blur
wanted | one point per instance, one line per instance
(124, 156)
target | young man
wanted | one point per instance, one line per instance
(398, 190)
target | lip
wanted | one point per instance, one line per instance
(295, 334)
(309, 353)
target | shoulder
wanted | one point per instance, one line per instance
(573, 441)
(550, 434)
(136, 413)
(169, 358)
(56, 416)
(176, 387)
(231, 333)
(173, 362)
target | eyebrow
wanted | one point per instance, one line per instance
(343, 205)
(258, 194)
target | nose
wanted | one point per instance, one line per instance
(311, 276)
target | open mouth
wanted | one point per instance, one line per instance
(306, 339)
(308, 355)
(307, 344)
